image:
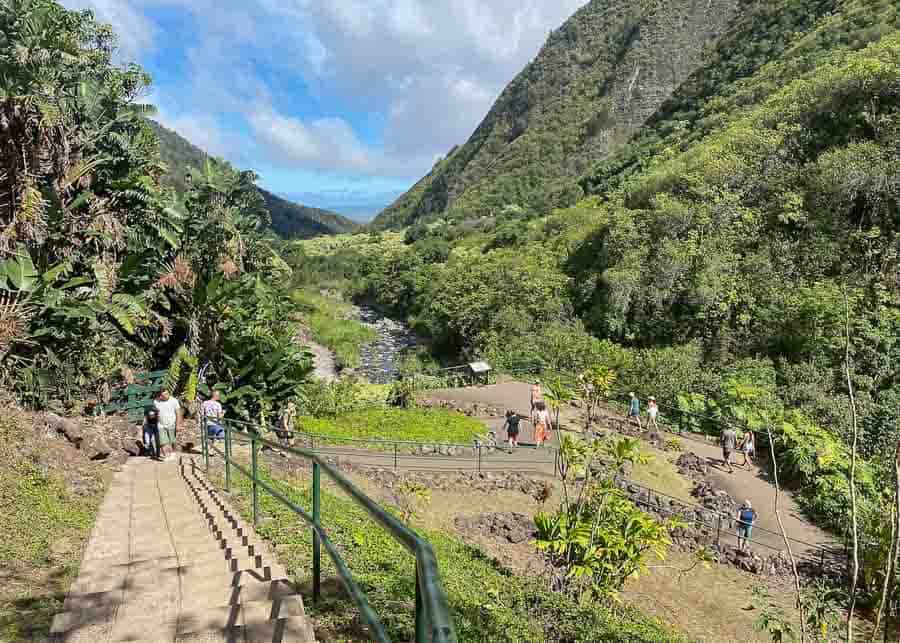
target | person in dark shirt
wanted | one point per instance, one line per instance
(512, 429)
(151, 431)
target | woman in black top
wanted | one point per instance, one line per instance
(512, 429)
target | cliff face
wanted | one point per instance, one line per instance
(598, 78)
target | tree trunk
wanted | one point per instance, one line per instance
(853, 521)
(787, 543)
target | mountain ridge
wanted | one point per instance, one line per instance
(290, 220)
(595, 81)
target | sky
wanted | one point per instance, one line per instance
(341, 104)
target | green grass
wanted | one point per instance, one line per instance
(325, 317)
(436, 426)
(488, 603)
(44, 525)
(662, 475)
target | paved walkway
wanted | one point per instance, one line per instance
(744, 484)
(168, 561)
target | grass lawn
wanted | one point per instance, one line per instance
(437, 426)
(660, 474)
(325, 318)
(488, 603)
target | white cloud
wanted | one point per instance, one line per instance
(136, 33)
(416, 76)
(328, 142)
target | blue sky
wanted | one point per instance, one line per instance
(340, 104)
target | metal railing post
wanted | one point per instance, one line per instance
(395, 456)
(317, 517)
(718, 529)
(421, 624)
(204, 447)
(479, 458)
(254, 467)
(227, 458)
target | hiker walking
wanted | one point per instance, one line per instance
(652, 424)
(634, 410)
(511, 425)
(745, 519)
(151, 432)
(537, 395)
(748, 447)
(729, 441)
(288, 422)
(170, 416)
(542, 423)
(213, 414)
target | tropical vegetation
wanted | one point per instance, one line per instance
(103, 270)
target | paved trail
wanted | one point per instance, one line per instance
(168, 562)
(744, 484)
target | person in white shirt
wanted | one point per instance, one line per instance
(169, 411)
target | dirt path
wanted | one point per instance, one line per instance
(324, 366)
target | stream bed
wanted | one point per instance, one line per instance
(380, 360)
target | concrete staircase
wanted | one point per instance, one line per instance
(169, 560)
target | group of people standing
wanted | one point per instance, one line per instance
(164, 417)
(162, 421)
(540, 420)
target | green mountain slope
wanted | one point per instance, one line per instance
(595, 81)
(719, 259)
(289, 220)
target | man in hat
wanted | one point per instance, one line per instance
(745, 519)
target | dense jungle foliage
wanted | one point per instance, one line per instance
(289, 220)
(104, 271)
(720, 260)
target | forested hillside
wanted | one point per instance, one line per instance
(104, 270)
(596, 80)
(736, 258)
(289, 220)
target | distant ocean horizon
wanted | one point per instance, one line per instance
(357, 207)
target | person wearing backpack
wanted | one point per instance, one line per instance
(745, 519)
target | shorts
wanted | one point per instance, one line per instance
(166, 436)
(513, 433)
(726, 454)
(744, 531)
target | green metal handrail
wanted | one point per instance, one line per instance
(431, 600)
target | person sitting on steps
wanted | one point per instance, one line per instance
(213, 413)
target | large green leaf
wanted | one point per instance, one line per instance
(21, 273)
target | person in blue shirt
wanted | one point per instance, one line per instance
(634, 410)
(746, 517)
